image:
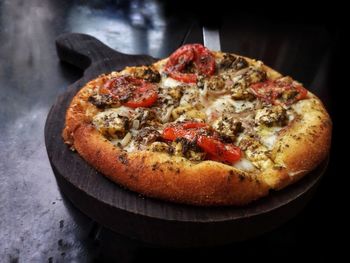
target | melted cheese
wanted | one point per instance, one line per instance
(131, 147)
(299, 105)
(121, 111)
(245, 165)
(242, 105)
(109, 122)
(190, 96)
(196, 102)
(268, 136)
(219, 106)
(170, 83)
(269, 141)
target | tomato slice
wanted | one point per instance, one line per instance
(183, 77)
(216, 150)
(276, 92)
(302, 92)
(187, 130)
(189, 125)
(145, 96)
(204, 61)
(189, 60)
(131, 92)
(219, 151)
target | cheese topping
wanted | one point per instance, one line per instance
(220, 106)
(224, 101)
(245, 165)
(168, 82)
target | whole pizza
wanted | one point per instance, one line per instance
(199, 127)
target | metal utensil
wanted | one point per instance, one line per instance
(211, 38)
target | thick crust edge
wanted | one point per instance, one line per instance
(170, 178)
(300, 148)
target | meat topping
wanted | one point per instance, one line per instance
(111, 124)
(239, 90)
(272, 116)
(101, 100)
(188, 149)
(228, 128)
(147, 135)
(147, 73)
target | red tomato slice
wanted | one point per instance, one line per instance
(219, 151)
(215, 149)
(194, 55)
(145, 96)
(183, 77)
(302, 92)
(131, 92)
(180, 58)
(204, 61)
(189, 125)
(271, 91)
(187, 130)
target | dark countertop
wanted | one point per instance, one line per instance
(36, 223)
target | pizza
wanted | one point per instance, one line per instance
(199, 127)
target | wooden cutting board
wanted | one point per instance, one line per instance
(145, 219)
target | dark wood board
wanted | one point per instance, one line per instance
(148, 220)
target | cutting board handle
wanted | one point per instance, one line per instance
(82, 50)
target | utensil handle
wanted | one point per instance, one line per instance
(211, 38)
(82, 50)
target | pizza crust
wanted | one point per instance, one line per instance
(206, 183)
(167, 177)
(302, 146)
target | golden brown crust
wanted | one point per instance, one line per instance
(298, 150)
(171, 178)
(302, 146)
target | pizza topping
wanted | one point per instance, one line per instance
(245, 165)
(188, 112)
(188, 130)
(223, 105)
(160, 147)
(131, 92)
(149, 74)
(136, 124)
(169, 82)
(228, 127)
(240, 83)
(239, 63)
(176, 92)
(111, 123)
(255, 152)
(189, 60)
(268, 136)
(239, 93)
(230, 61)
(147, 136)
(283, 91)
(101, 100)
(188, 149)
(166, 115)
(190, 96)
(125, 141)
(216, 85)
(244, 105)
(146, 117)
(219, 151)
(271, 116)
(227, 61)
(207, 140)
(209, 113)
